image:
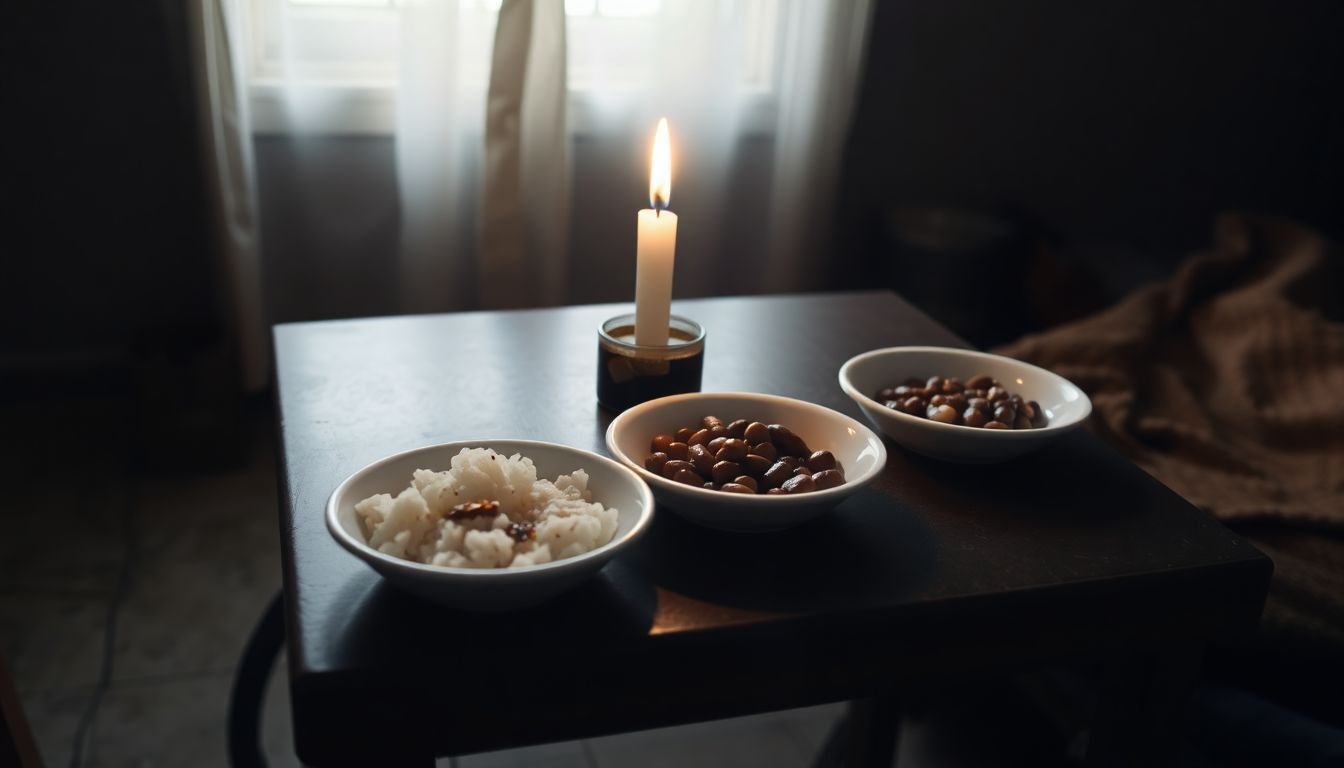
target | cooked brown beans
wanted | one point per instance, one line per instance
(701, 458)
(750, 456)
(724, 471)
(655, 462)
(788, 443)
(733, 450)
(820, 461)
(979, 402)
(828, 478)
(799, 484)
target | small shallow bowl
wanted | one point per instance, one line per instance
(1066, 406)
(857, 449)
(611, 484)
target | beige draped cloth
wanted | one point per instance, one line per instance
(1226, 383)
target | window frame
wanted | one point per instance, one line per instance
(365, 104)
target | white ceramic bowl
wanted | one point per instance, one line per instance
(859, 452)
(611, 484)
(1066, 406)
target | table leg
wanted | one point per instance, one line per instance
(1140, 705)
(865, 737)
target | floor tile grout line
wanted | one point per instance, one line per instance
(86, 727)
(24, 590)
(151, 555)
(95, 601)
(139, 681)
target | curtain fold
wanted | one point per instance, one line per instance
(818, 87)
(525, 223)
(230, 172)
(439, 129)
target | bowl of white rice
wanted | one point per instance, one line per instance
(489, 524)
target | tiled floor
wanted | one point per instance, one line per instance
(191, 560)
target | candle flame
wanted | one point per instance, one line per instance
(660, 177)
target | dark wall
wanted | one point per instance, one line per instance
(1112, 132)
(105, 241)
(111, 293)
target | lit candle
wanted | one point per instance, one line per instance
(656, 248)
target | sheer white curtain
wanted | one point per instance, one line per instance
(228, 167)
(486, 214)
(526, 219)
(481, 159)
(439, 134)
(729, 76)
(823, 47)
(418, 72)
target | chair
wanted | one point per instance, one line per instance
(248, 694)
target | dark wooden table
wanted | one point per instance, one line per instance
(935, 572)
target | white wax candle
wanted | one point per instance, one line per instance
(655, 249)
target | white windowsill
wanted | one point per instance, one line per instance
(370, 109)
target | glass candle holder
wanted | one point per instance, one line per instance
(630, 373)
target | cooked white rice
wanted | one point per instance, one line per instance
(414, 525)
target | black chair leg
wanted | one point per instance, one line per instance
(249, 687)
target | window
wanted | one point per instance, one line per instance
(340, 58)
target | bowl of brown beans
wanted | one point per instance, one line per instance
(962, 405)
(740, 461)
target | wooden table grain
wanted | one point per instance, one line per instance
(935, 571)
